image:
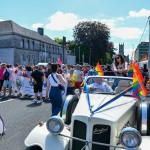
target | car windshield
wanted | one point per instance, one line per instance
(109, 85)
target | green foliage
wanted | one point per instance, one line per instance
(59, 41)
(94, 37)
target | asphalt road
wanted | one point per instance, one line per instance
(21, 116)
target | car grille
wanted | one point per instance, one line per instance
(79, 131)
(101, 133)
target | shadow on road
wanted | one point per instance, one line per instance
(34, 105)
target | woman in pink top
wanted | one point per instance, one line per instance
(2, 68)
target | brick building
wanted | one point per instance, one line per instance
(23, 46)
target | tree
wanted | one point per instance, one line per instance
(59, 41)
(94, 36)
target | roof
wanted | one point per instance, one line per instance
(9, 27)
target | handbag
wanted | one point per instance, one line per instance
(59, 85)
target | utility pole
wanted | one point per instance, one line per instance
(63, 52)
(90, 57)
(149, 45)
(83, 58)
(45, 54)
(79, 54)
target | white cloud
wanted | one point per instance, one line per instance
(60, 21)
(141, 13)
(63, 21)
(37, 25)
(126, 32)
(120, 18)
(2, 20)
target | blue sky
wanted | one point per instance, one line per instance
(125, 18)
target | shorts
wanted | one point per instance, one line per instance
(37, 88)
(7, 83)
(78, 85)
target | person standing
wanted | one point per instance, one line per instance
(78, 76)
(2, 68)
(120, 66)
(37, 80)
(8, 79)
(55, 94)
(49, 70)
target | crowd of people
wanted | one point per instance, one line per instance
(56, 75)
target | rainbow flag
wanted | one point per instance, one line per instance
(137, 71)
(99, 69)
(138, 87)
(130, 71)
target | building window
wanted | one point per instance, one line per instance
(22, 43)
(28, 44)
(42, 46)
(33, 45)
(28, 58)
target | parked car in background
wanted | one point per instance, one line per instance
(42, 64)
(122, 124)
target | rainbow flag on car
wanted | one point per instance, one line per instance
(130, 71)
(99, 69)
(138, 87)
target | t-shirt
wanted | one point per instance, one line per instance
(37, 75)
(122, 66)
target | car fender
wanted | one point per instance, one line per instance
(41, 137)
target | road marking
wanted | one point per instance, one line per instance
(6, 101)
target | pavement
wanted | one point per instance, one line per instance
(21, 116)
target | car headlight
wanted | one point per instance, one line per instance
(130, 138)
(55, 124)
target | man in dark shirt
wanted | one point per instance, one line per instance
(37, 80)
(49, 71)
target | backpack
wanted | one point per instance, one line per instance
(6, 75)
(2, 127)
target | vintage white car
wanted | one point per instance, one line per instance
(97, 120)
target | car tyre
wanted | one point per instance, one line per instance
(144, 108)
(34, 148)
(70, 104)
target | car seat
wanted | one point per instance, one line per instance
(122, 85)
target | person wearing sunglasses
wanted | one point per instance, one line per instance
(120, 66)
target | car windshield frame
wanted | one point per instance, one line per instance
(117, 84)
